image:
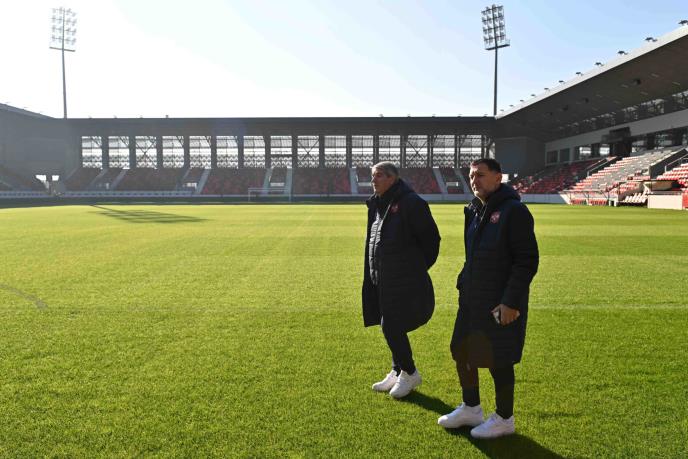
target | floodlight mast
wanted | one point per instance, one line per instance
(63, 39)
(494, 37)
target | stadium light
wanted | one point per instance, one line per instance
(649, 39)
(579, 73)
(494, 37)
(599, 64)
(621, 52)
(683, 22)
(63, 39)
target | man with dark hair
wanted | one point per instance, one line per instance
(489, 332)
(402, 243)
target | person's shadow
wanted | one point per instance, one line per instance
(145, 216)
(506, 447)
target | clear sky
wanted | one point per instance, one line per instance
(223, 58)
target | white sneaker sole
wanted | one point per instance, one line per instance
(376, 388)
(447, 424)
(492, 435)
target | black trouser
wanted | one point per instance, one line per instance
(504, 380)
(399, 344)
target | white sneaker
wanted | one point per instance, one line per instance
(405, 384)
(495, 426)
(462, 416)
(386, 384)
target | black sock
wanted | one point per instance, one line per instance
(471, 396)
(504, 390)
(410, 370)
(397, 369)
(505, 401)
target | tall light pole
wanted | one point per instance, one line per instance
(63, 39)
(494, 37)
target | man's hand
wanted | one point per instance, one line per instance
(506, 314)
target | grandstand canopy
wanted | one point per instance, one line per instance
(284, 126)
(656, 70)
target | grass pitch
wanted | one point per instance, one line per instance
(236, 331)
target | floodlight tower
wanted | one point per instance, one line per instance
(494, 37)
(63, 39)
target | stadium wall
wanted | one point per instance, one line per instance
(665, 201)
(33, 144)
(520, 155)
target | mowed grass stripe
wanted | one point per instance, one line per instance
(236, 331)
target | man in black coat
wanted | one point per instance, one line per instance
(490, 329)
(402, 243)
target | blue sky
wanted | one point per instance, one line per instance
(309, 58)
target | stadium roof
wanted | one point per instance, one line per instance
(656, 70)
(286, 126)
(21, 111)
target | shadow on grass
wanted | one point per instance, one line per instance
(506, 447)
(146, 216)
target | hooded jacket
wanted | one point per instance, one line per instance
(501, 260)
(407, 247)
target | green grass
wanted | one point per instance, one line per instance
(236, 331)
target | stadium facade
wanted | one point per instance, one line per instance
(633, 104)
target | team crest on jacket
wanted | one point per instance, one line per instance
(494, 218)
(394, 208)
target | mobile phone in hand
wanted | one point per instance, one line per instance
(497, 316)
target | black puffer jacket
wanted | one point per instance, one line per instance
(408, 247)
(501, 261)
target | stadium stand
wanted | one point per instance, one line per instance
(321, 181)
(194, 175)
(363, 181)
(147, 179)
(634, 167)
(633, 192)
(81, 178)
(636, 199)
(363, 174)
(233, 181)
(523, 182)
(191, 180)
(279, 176)
(678, 173)
(278, 180)
(464, 171)
(16, 181)
(106, 180)
(422, 180)
(451, 180)
(555, 179)
(4, 187)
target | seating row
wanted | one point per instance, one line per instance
(233, 181)
(321, 181)
(556, 179)
(141, 179)
(81, 178)
(634, 167)
(16, 181)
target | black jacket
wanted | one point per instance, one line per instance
(408, 247)
(501, 261)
